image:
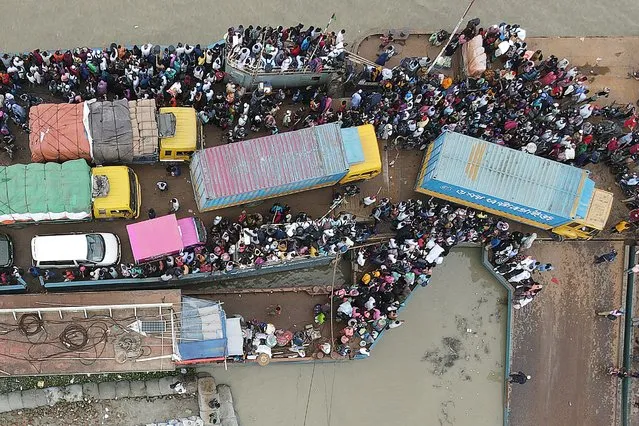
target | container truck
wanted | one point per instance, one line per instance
(113, 132)
(513, 184)
(282, 164)
(67, 192)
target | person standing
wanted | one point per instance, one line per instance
(369, 200)
(175, 205)
(519, 377)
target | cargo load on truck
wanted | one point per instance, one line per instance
(514, 184)
(58, 133)
(145, 130)
(110, 131)
(267, 167)
(45, 192)
(103, 132)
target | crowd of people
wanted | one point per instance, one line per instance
(425, 232)
(268, 49)
(175, 75)
(516, 268)
(524, 100)
(250, 241)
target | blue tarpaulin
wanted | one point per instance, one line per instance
(202, 330)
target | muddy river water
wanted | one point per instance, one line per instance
(444, 366)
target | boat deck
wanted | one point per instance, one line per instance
(34, 327)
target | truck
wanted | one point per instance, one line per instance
(67, 192)
(113, 132)
(516, 185)
(164, 236)
(253, 170)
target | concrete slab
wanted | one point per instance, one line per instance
(106, 390)
(54, 395)
(138, 388)
(229, 422)
(563, 345)
(225, 395)
(73, 393)
(4, 403)
(206, 385)
(90, 391)
(15, 400)
(122, 389)
(33, 398)
(227, 411)
(153, 388)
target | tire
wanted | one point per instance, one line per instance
(556, 237)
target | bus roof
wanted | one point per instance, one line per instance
(185, 137)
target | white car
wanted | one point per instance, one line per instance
(72, 250)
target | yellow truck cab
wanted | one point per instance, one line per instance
(180, 133)
(116, 193)
(362, 153)
(593, 223)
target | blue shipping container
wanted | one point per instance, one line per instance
(511, 182)
(268, 167)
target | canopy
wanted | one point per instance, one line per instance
(203, 330)
(154, 238)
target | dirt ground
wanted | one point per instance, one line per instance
(123, 412)
(563, 345)
(297, 307)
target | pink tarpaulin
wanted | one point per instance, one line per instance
(155, 238)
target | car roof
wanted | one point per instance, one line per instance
(59, 247)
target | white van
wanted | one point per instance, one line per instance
(72, 250)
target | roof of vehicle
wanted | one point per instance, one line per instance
(154, 238)
(119, 188)
(48, 247)
(284, 160)
(185, 137)
(363, 141)
(467, 164)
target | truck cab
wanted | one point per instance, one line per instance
(180, 133)
(362, 153)
(116, 193)
(592, 224)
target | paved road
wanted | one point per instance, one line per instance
(30, 23)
